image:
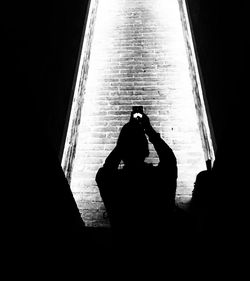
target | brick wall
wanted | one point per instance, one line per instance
(138, 57)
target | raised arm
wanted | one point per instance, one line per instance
(113, 160)
(110, 166)
(165, 153)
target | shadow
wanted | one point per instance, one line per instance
(139, 197)
(201, 199)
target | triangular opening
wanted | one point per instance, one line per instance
(135, 53)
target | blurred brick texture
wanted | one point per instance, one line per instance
(137, 57)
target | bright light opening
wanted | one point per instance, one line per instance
(135, 53)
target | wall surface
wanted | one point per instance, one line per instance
(44, 43)
(138, 57)
(219, 32)
(39, 212)
(221, 43)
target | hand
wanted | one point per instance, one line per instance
(145, 122)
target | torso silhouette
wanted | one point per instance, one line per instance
(139, 198)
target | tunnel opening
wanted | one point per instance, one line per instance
(136, 52)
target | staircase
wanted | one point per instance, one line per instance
(138, 56)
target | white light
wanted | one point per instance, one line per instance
(177, 122)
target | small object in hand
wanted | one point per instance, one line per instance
(137, 112)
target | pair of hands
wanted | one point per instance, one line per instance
(144, 122)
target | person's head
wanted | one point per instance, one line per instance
(202, 179)
(133, 144)
(202, 185)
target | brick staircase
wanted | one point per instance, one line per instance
(138, 57)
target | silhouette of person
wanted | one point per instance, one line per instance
(200, 202)
(139, 196)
